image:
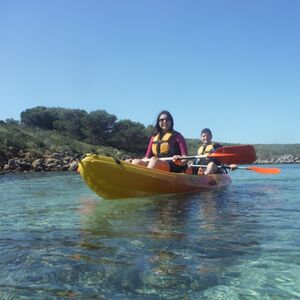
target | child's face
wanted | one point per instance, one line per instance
(205, 138)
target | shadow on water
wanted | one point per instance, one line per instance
(166, 247)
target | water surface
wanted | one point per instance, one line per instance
(58, 240)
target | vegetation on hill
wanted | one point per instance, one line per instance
(95, 128)
(43, 130)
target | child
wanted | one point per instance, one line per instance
(212, 165)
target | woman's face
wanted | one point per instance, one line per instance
(164, 122)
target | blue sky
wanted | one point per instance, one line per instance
(230, 65)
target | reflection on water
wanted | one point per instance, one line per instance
(156, 244)
(60, 241)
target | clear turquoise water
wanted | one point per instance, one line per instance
(58, 240)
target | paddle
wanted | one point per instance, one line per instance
(242, 154)
(261, 170)
(255, 169)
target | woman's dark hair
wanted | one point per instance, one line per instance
(157, 128)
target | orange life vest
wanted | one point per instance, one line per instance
(161, 146)
(206, 149)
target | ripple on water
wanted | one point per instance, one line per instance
(58, 241)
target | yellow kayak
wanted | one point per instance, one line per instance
(114, 179)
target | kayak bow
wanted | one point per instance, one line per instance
(113, 179)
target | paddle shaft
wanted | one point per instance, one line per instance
(212, 155)
(217, 155)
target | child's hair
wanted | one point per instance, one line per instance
(206, 130)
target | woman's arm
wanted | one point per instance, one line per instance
(149, 152)
(183, 150)
(182, 144)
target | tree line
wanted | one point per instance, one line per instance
(59, 129)
(95, 128)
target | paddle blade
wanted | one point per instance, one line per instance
(242, 154)
(264, 170)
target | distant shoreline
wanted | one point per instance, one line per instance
(24, 162)
(284, 159)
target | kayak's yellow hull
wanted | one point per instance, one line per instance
(112, 179)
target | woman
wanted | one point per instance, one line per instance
(165, 142)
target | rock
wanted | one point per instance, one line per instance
(38, 164)
(57, 155)
(2, 160)
(12, 164)
(73, 166)
(6, 168)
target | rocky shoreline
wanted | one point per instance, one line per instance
(63, 161)
(284, 159)
(25, 162)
